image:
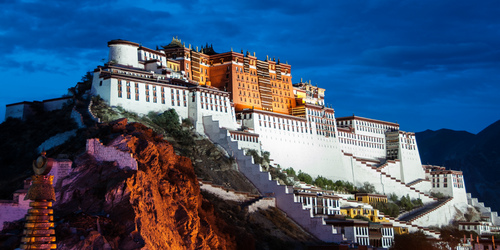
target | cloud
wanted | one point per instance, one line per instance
(435, 57)
(386, 58)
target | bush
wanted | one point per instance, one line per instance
(417, 202)
(186, 122)
(438, 195)
(305, 177)
(360, 217)
(393, 197)
(367, 188)
(169, 121)
(291, 172)
(388, 208)
(257, 159)
(406, 203)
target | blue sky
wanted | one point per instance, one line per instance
(423, 64)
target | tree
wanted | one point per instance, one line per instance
(266, 156)
(305, 177)
(320, 181)
(291, 172)
(417, 202)
(406, 203)
(388, 208)
(393, 197)
(168, 120)
(257, 159)
(367, 188)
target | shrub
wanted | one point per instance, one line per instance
(367, 188)
(169, 121)
(388, 208)
(257, 159)
(305, 177)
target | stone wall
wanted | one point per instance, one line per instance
(125, 160)
(15, 209)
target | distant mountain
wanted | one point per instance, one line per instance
(478, 156)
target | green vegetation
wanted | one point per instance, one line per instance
(394, 205)
(439, 195)
(388, 208)
(305, 177)
(322, 182)
(367, 188)
(361, 217)
(408, 204)
(169, 121)
(257, 159)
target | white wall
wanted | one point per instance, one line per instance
(441, 216)
(125, 54)
(55, 104)
(15, 111)
(262, 180)
(411, 166)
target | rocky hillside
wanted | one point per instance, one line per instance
(478, 156)
(159, 206)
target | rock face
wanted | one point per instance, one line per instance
(165, 195)
(159, 206)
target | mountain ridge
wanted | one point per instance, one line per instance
(477, 155)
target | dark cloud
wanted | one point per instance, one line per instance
(436, 57)
(397, 60)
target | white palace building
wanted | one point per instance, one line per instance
(307, 136)
(253, 104)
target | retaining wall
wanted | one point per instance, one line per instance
(125, 160)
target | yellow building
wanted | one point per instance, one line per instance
(371, 198)
(372, 214)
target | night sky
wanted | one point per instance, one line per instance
(423, 64)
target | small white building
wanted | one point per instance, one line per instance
(318, 203)
(448, 182)
(356, 231)
(480, 227)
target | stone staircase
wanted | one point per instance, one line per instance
(262, 181)
(415, 182)
(485, 211)
(405, 188)
(421, 211)
(412, 227)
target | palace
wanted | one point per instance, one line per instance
(253, 97)
(241, 102)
